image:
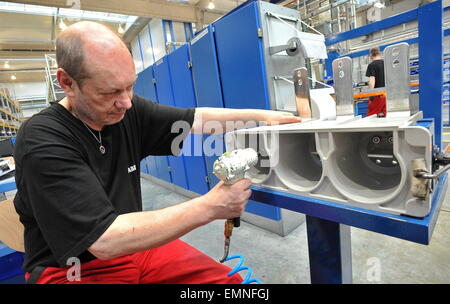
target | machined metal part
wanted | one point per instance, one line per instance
(420, 185)
(362, 162)
(441, 166)
(343, 86)
(302, 98)
(397, 78)
(292, 47)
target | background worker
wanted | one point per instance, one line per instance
(78, 175)
(375, 72)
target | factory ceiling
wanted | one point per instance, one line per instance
(28, 29)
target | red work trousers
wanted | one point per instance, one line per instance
(173, 263)
(377, 105)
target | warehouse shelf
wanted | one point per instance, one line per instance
(11, 116)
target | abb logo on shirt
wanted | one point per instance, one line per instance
(132, 168)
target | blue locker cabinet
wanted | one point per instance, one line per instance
(184, 97)
(208, 89)
(241, 59)
(165, 97)
(146, 88)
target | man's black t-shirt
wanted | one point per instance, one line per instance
(376, 69)
(68, 193)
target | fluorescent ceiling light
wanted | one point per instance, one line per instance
(6, 65)
(13, 77)
(62, 25)
(211, 5)
(379, 5)
(121, 29)
(66, 12)
(70, 13)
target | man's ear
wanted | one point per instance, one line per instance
(66, 82)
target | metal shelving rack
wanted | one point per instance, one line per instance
(11, 116)
(54, 90)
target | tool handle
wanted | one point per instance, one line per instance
(237, 222)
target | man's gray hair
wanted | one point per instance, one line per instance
(70, 56)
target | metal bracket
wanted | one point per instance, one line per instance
(302, 98)
(343, 85)
(397, 77)
(292, 47)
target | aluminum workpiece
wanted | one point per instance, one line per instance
(363, 162)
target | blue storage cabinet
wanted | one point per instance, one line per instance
(145, 87)
(242, 70)
(148, 88)
(208, 89)
(184, 97)
(165, 96)
(138, 89)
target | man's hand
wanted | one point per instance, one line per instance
(228, 201)
(279, 118)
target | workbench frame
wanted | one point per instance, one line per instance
(328, 223)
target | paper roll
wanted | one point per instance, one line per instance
(322, 104)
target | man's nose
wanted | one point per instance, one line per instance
(124, 101)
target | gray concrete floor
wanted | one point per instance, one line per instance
(376, 258)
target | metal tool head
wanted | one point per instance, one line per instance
(231, 166)
(226, 250)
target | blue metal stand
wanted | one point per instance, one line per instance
(328, 228)
(329, 248)
(328, 224)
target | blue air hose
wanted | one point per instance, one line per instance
(238, 267)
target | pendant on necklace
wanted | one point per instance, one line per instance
(102, 149)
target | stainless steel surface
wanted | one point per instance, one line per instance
(397, 77)
(276, 33)
(302, 98)
(343, 86)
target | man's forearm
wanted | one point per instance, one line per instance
(219, 120)
(138, 231)
(372, 82)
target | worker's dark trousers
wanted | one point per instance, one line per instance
(173, 263)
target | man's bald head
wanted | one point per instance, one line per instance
(74, 42)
